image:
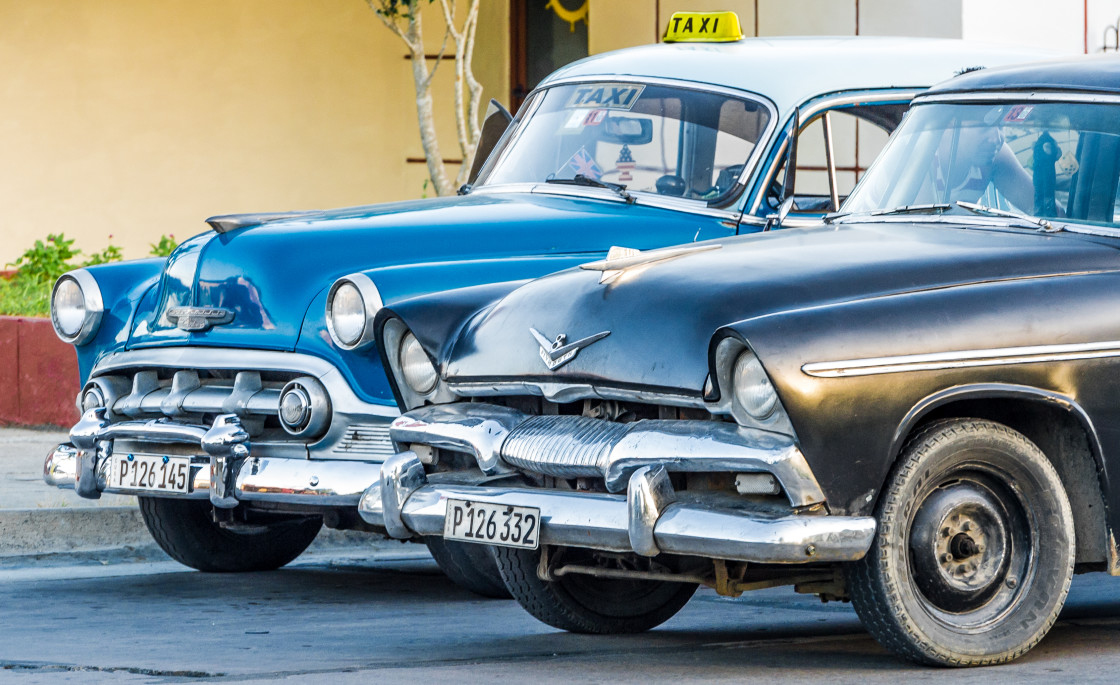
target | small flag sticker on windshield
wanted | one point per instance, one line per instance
(583, 164)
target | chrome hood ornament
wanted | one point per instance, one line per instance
(619, 259)
(558, 352)
(199, 319)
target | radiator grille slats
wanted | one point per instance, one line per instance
(562, 446)
(366, 439)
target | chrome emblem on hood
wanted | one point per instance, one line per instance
(555, 353)
(199, 318)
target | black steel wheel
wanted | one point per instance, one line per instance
(186, 530)
(470, 566)
(590, 604)
(974, 552)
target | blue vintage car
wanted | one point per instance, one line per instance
(235, 389)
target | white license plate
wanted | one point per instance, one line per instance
(492, 524)
(150, 472)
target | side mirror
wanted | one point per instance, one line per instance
(495, 124)
(775, 220)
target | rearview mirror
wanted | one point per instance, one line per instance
(626, 131)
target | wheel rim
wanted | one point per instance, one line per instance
(971, 545)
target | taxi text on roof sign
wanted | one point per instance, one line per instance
(703, 27)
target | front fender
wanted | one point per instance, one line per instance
(123, 286)
(850, 425)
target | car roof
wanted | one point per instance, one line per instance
(791, 70)
(1081, 74)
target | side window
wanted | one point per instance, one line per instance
(855, 144)
(858, 135)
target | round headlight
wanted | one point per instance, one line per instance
(348, 314)
(304, 409)
(416, 368)
(69, 308)
(76, 307)
(92, 399)
(352, 303)
(753, 390)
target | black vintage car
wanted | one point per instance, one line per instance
(915, 407)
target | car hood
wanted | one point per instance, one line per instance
(661, 315)
(268, 275)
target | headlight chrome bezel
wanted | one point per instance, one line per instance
(371, 304)
(393, 333)
(92, 302)
(733, 358)
(315, 416)
(410, 356)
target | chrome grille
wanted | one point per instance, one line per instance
(563, 446)
(366, 439)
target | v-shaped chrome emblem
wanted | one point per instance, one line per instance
(558, 352)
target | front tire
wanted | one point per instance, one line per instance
(974, 551)
(186, 531)
(588, 604)
(469, 566)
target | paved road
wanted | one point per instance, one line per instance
(396, 619)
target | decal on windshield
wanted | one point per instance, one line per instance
(582, 164)
(605, 96)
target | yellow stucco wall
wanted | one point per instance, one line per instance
(134, 118)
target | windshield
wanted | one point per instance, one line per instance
(646, 138)
(1051, 160)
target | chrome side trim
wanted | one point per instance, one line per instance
(602, 521)
(573, 446)
(962, 359)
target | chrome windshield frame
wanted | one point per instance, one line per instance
(727, 208)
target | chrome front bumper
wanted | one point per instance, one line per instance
(648, 520)
(224, 471)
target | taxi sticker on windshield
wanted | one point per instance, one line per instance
(605, 96)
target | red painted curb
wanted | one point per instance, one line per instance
(42, 369)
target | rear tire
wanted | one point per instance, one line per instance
(470, 566)
(588, 604)
(974, 551)
(187, 532)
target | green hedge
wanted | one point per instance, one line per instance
(28, 292)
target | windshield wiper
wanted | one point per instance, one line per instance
(1044, 224)
(934, 208)
(581, 180)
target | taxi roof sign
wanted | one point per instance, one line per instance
(703, 27)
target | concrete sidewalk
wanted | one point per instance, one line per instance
(39, 522)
